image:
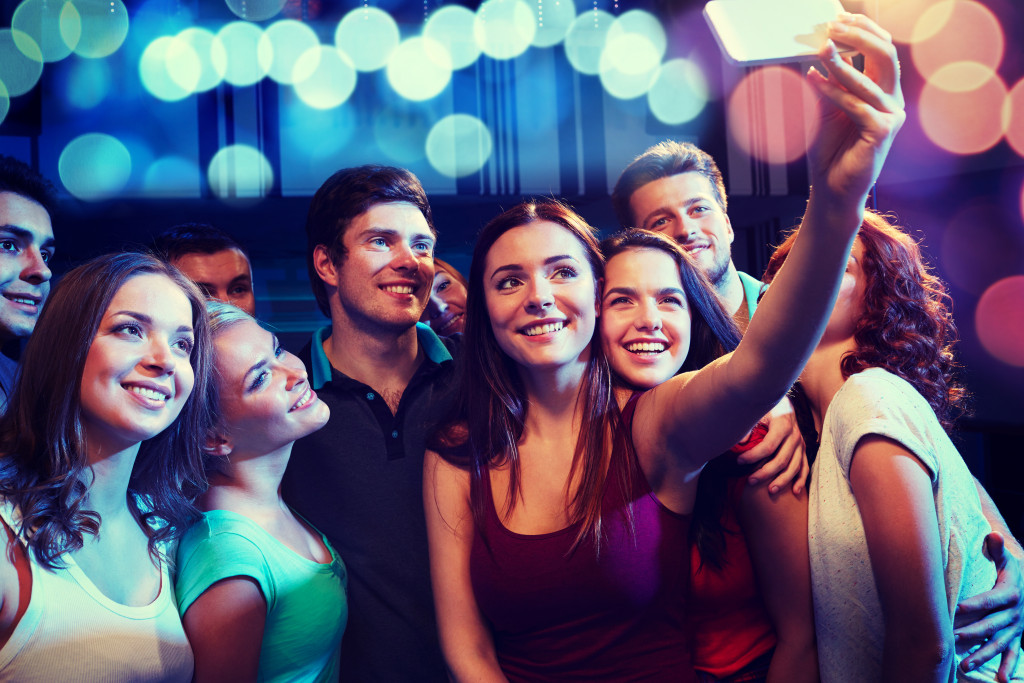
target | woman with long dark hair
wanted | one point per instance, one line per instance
(446, 309)
(896, 524)
(101, 454)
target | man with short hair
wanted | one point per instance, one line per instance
(212, 259)
(676, 188)
(370, 244)
(26, 247)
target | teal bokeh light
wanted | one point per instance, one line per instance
(88, 82)
(171, 176)
(169, 68)
(679, 93)
(368, 36)
(281, 46)
(629, 64)
(504, 28)
(5, 102)
(255, 10)
(40, 20)
(459, 145)
(554, 17)
(240, 172)
(586, 39)
(101, 26)
(452, 27)
(208, 51)
(329, 78)
(419, 69)
(639, 22)
(95, 166)
(236, 57)
(21, 62)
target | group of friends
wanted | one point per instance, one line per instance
(580, 463)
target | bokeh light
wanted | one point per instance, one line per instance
(209, 51)
(172, 176)
(1013, 117)
(5, 102)
(420, 68)
(240, 172)
(169, 68)
(452, 27)
(961, 76)
(401, 134)
(331, 77)
(459, 145)
(773, 114)
(95, 166)
(101, 26)
(641, 23)
(40, 20)
(235, 53)
(281, 46)
(965, 121)
(679, 93)
(504, 28)
(554, 18)
(255, 10)
(901, 17)
(586, 39)
(629, 64)
(21, 62)
(977, 248)
(970, 33)
(368, 36)
(87, 82)
(999, 320)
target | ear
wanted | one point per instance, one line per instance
(728, 225)
(324, 265)
(217, 445)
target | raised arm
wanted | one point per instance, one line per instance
(861, 114)
(465, 638)
(225, 629)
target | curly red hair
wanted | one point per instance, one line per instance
(907, 327)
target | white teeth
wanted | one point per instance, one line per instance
(302, 401)
(646, 347)
(19, 300)
(149, 393)
(543, 329)
(398, 289)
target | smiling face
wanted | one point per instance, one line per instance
(26, 246)
(266, 401)
(223, 275)
(645, 319)
(137, 374)
(446, 310)
(384, 278)
(684, 207)
(540, 294)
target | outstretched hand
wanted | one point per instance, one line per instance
(862, 112)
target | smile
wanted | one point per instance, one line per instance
(644, 348)
(448, 324)
(22, 299)
(148, 393)
(398, 289)
(303, 400)
(543, 328)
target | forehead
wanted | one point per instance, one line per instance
(670, 191)
(155, 295)
(401, 217)
(534, 243)
(239, 346)
(642, 268)
(224, 264)
(21, 212)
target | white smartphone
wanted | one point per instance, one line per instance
(753, 32)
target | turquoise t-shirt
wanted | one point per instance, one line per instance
(306, 605)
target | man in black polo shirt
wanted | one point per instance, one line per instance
(387, 381)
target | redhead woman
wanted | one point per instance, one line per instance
(558, 530)
(101, 449)
(445, 312)
(896, 523)
(261, 592)
(750, 606)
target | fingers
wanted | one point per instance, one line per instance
(995, 548)
(1001, 597)
(1008, 665)
(881, 65)
(1004, 642)
(977, 632)
(790, 476)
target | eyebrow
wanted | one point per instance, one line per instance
(146, 320)
(391, 232)
(27, 235)
(547, 262)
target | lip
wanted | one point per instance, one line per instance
(23, 305)
(648, 358)
(305, 401)
(405, 284)
(445, 324)
(543, 336)
(147, 401)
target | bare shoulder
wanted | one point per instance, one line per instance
(15, 583)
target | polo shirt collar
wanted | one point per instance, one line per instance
(431, 344)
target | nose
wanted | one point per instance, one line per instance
(540, 295)
(159, 355)
(648, 318)
(295, 371)
(34, 268)
(437, 306)
(405, 258)
(688, 229)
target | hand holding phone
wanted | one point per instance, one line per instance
(755, 32)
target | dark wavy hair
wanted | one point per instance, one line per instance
(490, 412)
(907, 326)
(44, 444)
(664, 160)
(19, 178)
(713, 333)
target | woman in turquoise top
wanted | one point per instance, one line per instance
(261, 592)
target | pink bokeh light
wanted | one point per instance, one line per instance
(773, 114)
(999, 320)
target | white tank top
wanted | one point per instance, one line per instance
(71, 631)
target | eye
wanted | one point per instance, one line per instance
(240, 290)
(129, 329)
(8, 245)
(185, 344)
(423, 247)
(673, 301)
(46, 256)
(508, 283)
(566, 273)
(443, 285)
(278, 349)
(259, 380)
(700, 208)
(619, 301)
(379, 242)
(658, 224)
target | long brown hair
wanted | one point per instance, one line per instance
(41, 436)
(491, 409)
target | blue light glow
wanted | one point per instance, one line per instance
(459, 145)
(554, 17)
(240, 172)
(102, 26)
(95, 166)
(585, 41)
(629, 64)
(169, 68)
(452, 26)
(419, 69)
(281, 46)
(255, 10)
(368, 36)
(87, 83)
(679, 93)
(504, 28)
(238, 64)
(21, 62)
(208, 51)
(171, 176)
(40, 20)
(331, 77)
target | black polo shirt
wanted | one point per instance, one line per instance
(359, 481)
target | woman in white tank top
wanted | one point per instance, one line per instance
(99, 457)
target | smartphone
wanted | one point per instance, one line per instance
(754, 32)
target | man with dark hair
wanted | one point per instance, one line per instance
(26, 247)
(212, 259)
(370, 244)
(676, 188)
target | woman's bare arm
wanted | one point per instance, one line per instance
(225, 629)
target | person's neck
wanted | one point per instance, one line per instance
(730, 291)
(822, 376)
(107, 478)
(552, 395)
(380, 358)
(248, 483)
